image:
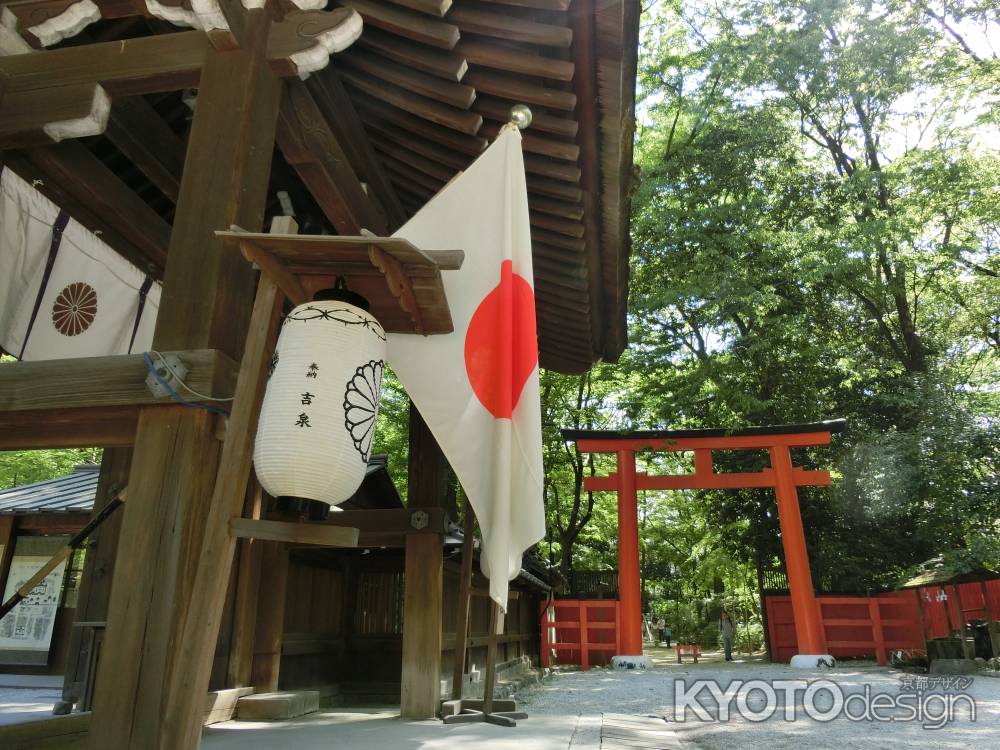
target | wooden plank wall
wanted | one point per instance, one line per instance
(327, 639)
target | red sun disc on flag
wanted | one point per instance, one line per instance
(501, 346)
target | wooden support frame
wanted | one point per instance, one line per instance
(402, 283)
(93, 401)
(320, 535)
(97, 382)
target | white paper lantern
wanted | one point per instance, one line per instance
(318, 417)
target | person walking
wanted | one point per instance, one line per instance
(668, 633)
(660, 625)
(728, 630)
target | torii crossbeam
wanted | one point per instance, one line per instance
(782, 475)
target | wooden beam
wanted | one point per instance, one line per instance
(448, 65)
(89, 181)
(321, 535)
(447, 92)
(161, 62)
(138, 131)
(311, 148)
(106, 427)
(50, 733)
(97, 382)
(405, 23)
(461, 120)
(25, 116)
(167, 62)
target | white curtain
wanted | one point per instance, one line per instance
(63, 292)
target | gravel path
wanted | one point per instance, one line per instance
(652, 693)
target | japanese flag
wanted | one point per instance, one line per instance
(477, 388)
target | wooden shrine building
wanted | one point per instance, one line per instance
(157, 124)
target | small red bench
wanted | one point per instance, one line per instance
(691, 649)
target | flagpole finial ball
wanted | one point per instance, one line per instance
(520, 115)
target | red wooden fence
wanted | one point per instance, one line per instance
(580, 631)
(860, 626)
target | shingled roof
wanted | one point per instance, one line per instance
(73, 493)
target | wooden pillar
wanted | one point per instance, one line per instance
(241, 643)
(967, 647)
(98, 567)
(991, 623)
(206, 303)
(7, 538)
(270, 628)
(808, 626)
(424, 571)
(629, 591)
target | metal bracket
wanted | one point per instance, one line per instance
(419, 519)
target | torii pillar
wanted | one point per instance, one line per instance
(782, 475)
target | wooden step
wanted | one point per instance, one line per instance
(277, 706)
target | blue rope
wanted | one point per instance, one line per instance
(174, 394)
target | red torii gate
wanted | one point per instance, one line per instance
(781, 475)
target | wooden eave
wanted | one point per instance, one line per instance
(365, 142)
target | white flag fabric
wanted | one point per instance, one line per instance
(63, 292)
(477, 388)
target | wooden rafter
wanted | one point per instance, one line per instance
(447, 92)
(448, 65)
(136, 130)
(311, 148)
(82, 175)
(406, 23)
(461, 120)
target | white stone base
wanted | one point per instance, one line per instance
(631, 662)
(813, 661)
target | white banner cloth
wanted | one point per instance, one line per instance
(88, 303)
(477, 388)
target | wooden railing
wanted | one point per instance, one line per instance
(578, 631)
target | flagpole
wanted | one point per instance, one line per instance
(464, 602)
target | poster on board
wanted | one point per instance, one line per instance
(26, 631)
